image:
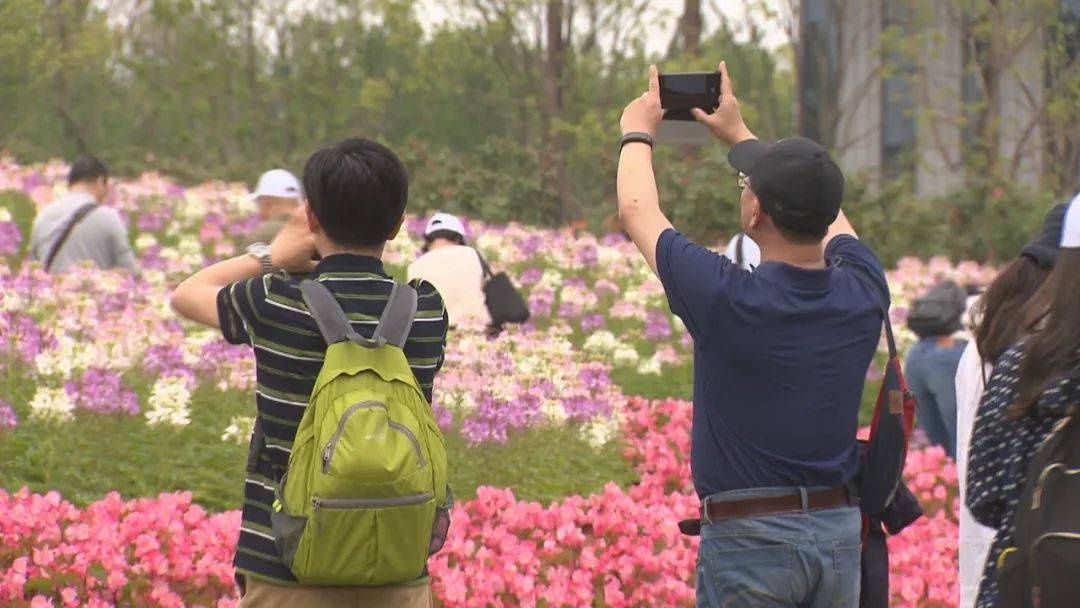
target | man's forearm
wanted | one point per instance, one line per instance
(639, 200)
(636, 181)
(196, 297)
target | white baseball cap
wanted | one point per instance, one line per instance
(279, 183)
(444, 221)
(1070, 233)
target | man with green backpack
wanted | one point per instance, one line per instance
(346, 492)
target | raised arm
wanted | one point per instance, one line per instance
(639, 200)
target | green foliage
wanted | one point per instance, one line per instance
(988, 222)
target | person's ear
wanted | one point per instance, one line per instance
(312, 221)
(393, 233)
(756, 213)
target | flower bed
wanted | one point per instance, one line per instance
(615, 548)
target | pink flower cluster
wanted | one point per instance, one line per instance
(161, 552)
(618, 548)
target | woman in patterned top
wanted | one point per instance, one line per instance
(1034, 385)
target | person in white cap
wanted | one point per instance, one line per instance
(276, 195)
(1035, 388)
(455, 270)
(742, 250)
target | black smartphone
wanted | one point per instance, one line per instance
(681, 91)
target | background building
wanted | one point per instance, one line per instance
(935, 90)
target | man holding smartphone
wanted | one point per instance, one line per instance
(779, 364)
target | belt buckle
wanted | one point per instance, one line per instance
(705, 510)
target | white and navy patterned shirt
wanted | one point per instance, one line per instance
(1001, 450)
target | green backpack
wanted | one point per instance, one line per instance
(364, 500)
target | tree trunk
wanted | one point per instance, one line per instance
(61, 89)
(553, 162)
(690, 27)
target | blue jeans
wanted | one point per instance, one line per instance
(803, 560)
(930, 370)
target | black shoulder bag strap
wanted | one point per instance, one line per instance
(484, 265)
(738, 249)
(77, 217)
(864, 278)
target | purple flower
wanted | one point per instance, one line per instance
(541, 301)
(657, 326)
(592, 322)
(102, 391)
(443, 417)
(8, 420)
(151, 221)
(587, 256)
(530, 276)
(166, 360)
(24, 335)
(10, 238)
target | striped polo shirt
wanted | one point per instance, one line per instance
(269, 313)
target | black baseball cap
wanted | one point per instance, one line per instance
(795, 179)
(1043, 249)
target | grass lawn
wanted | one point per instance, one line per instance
(98, 453)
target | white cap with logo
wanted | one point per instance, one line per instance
(1070, 233)
(279, 183)
(444, 221)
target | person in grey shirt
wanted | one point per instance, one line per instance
(97, 233)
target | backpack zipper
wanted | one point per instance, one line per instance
(322, 502)
(328, 450)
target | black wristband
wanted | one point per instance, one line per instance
(636, 137)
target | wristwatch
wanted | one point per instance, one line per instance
(637, 137)
(261, 252)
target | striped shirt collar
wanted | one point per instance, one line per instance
(349, 262)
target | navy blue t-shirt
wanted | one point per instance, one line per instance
(780, 357)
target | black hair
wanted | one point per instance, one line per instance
(87, 169)
(358, 190)
(998, 310)
(448, 235)
(801, 232)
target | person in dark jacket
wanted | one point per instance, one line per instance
(1032, 388)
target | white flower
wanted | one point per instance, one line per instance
(52, 404)
(10, 302)
(554, 411)
(5, 215)
(239, 429)
(552, 279)
(67, 357)
(602, 341)
(169, 403)
(599, 431)
(650, 366)
(144, 241)
(625, 356)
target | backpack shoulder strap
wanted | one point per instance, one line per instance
(397, 319)
(328, 314)
(739, 255)
(864, 277)
(394, 324)
(79, 215)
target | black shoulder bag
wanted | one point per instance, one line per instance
(504, 302)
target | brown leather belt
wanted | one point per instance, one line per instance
(776, 505)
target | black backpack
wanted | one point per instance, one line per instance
(1043, 569)
(939, 312)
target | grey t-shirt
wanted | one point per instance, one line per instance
(100, 237)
